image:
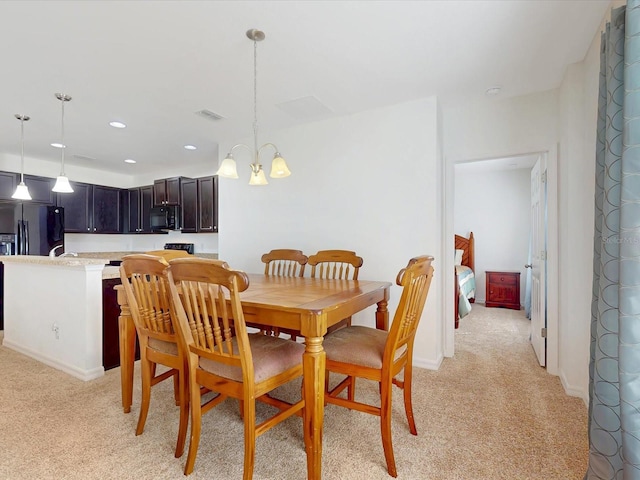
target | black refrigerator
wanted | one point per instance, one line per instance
(28, 229)
(37, 228)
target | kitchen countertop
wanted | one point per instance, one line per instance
(62, 261)
(85, 258)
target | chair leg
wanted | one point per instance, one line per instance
(196, 425)
(351, 390)
(176, 388)
(146, 371)
(408, 407)
(183, 386)
(249, 409)
(385, 427)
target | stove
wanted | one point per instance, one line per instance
(187, 247)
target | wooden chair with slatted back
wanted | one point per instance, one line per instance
(147, 292)
(285, 262)
(380, 356)
(336, 264)
(206, 299)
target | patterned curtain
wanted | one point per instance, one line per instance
(614, 370)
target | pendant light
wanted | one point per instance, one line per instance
(22, 191)
(62, 182)
(279, 167)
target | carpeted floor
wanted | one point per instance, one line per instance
(488, 413)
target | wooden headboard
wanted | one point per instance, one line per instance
(466, 244)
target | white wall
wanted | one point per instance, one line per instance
(366, 182)
(499, 217)
(578, 116)
(80, 242)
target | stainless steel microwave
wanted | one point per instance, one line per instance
(166, 217)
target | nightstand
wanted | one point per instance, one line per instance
(503, 290)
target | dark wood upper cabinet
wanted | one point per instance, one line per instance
(189, 205)
(100, 209)
(106, 209)
(91, 209)
(8, 183)
(208, 204)
(167, 191)
(40, 189)
(138, 209)
(77, 208)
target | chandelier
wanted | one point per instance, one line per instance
(279, 167)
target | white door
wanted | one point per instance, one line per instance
(538, 259)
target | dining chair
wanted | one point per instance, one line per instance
(230, 361)
(148, 295)
(283, 262)
(378, 355)
(336, 264)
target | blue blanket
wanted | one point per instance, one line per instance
(467, 284)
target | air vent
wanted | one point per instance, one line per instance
(83, 157)
(209, 115)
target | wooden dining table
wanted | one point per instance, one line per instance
(309, 305)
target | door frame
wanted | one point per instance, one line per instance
(448, 180)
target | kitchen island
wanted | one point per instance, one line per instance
(53, 311)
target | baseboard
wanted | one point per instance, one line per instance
(84, 375)
(428, 364)
(574, 391)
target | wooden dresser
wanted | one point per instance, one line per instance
(503, 289)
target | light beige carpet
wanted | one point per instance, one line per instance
(489, 413)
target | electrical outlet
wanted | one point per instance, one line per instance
(56, 330)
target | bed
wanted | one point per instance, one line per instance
(465, 282)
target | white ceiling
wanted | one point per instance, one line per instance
(153, 64)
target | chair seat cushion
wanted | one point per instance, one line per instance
(271, 356)
(163, 346)
(358, 345)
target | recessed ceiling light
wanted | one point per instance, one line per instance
(190, 147)
(117, 124)
(58, 145)
(493, 91)
(129, 160)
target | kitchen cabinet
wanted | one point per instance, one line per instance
(503, 289)
(138, 209)
(208, 204)
(106, 210)
(110, 329)
(77, 207)
(167, 191)
(8, 183)
(189, 205)
(40, 189)
(91, 209)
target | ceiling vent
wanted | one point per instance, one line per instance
(209, 115)
(83, 157)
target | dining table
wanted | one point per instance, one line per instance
(309, 305)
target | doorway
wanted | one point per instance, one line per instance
(525, 162)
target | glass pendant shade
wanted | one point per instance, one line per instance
(228, 168)
(22, 192)
(258, 178)
(62, 185)
(279, 167)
